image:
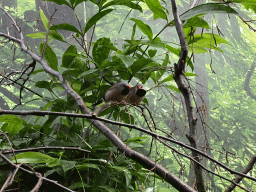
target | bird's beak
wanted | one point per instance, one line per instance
(139, 87)
(128, 87)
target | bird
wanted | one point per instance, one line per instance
(136, 95)
(117, 92)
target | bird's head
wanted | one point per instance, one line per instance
(140, 92)
(124, 88)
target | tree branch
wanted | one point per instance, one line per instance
(155, 135)
(179, 70)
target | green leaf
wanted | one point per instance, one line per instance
(95, 19)
(54, 35)
(177, 52)
(173, 50)
(44, 19)
(74, 3)
(100, 180)
(88, 72)
(172, 87)
(151, 43)
(67, 165)
(65, 26)
(128, 60)
(169, 78)
(43, 84)
(206, 40)
(144, 28)
(127, 3)
(152, 52)
(47, 106)
(251, 4)
(196, 49)
(164, 64)
(60, 2)
(68, 58)
(12, 124)
(99, 3)
(101, 50)
(156, 8)
(196, 22)
(127, 118)
(85, 166)
(32, 157)
(39, 35)
(133, 32)
(190, 74)
(128, 177)
(206, 9)
(49, 56)
(139, 64)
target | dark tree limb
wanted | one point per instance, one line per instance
(179, 78)
(245, 171)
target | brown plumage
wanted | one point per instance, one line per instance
(136, 95)
(117, 92)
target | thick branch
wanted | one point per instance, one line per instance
(179, 79)
(245, 171)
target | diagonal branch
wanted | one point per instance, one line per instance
(93, 117)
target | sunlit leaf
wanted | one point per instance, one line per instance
(96, 18)
(206, 9)
(144, 28)
(32, 157)
(127, 3)
(196, 22)
(156, 8)
(49, 56)
(65, 26)
(44, 19)
(12, 124)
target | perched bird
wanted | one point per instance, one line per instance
(117, 92)
(136, 95)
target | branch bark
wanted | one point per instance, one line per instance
(245, 171)
(179, 78)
